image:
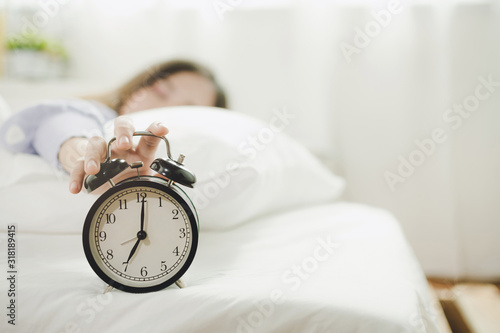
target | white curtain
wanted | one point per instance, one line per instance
(401, 98)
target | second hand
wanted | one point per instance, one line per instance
(131, 239)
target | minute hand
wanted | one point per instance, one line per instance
(142, 215)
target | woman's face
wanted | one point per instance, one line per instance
(182, 88)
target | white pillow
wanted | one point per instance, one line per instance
(244, 167)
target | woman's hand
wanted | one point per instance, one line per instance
(91, 152)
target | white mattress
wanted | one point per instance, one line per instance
(270, 274)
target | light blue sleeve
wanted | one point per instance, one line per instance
(43, 128)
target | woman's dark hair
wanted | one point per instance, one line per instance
(117, 99)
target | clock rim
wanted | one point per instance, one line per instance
(145, 181)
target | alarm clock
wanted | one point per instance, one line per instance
(141, 235)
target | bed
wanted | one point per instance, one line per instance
(278, 251)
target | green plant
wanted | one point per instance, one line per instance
(37, 43)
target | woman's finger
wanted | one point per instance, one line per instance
(124, 129)
(95, 154)
(147, 145)
(76, 176)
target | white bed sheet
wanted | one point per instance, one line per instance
(271, 274)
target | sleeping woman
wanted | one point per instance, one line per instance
(69, 133)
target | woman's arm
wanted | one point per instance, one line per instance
(42, 129)
(69, 134)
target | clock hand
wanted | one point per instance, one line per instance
(142, 216)
(131, 239)
(132, 253)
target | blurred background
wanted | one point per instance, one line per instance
(401, 98)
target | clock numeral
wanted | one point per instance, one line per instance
(175, 212)
(109, 255)
(123, 204)
(144, 272)
(141, 197)
(110, 218)
(102, 236)
(163, 267)
(160, 202)
(126, 265)
(176, 251)
(183, 232)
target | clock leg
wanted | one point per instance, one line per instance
(107, 289)
(180, 284)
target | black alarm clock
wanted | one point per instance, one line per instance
(141, 235)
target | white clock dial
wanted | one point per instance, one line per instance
(141, 236)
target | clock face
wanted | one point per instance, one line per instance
(140, 236)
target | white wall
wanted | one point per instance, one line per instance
(359, 113)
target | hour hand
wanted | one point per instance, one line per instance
(132, 253)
